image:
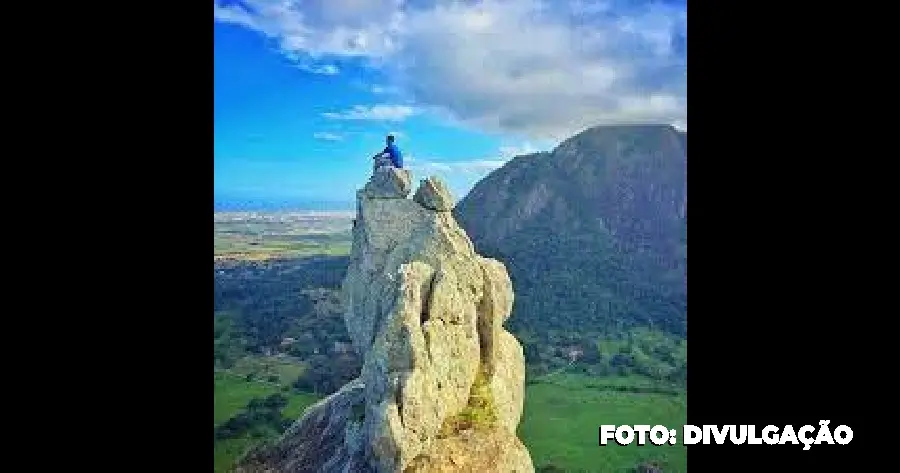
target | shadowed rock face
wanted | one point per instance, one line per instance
(441, 388)
(318, 442)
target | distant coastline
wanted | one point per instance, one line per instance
(274, 205)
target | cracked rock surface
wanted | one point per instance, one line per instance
(442, 383)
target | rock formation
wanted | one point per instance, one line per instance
(433, 194)
(442, 384)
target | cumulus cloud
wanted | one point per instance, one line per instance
(376, 112)
(539, 68)
(327, 136)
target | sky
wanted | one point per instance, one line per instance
(306, 90)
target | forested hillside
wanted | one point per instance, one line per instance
(594, 233)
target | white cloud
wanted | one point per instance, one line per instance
(382, 90)
(539, 68)
(375, 87)
(478, 166)
(325, 69)
(375, 112)
(319, 28)
(327, 136)
(509, 152)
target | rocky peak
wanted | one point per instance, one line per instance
(387, 183)
(442, 383)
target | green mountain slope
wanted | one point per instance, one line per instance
(594, 233)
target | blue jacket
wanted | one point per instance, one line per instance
(394, 153)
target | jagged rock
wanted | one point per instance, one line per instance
(434, 195)
(442, 383)
(388, 183)
(496, 308)
(501, 354)
(507, 382)
(321, 441)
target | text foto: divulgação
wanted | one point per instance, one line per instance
(806, 435)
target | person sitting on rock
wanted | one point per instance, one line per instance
(390, 156)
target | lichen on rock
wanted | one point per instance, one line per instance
(442, 381)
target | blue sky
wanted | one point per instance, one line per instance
(306, 90)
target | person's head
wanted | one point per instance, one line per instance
(389, 139)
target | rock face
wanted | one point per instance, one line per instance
(434, 195)
(442, 384)
(388, 183)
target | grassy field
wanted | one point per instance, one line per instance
(561, 422)
(232, 393)
(559, 425)
(271, 369)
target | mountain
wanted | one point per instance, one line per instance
(594, 233)
(442, 382)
